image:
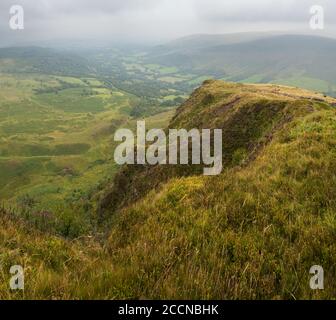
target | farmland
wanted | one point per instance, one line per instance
(57, 138)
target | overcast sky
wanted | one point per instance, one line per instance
(156, 20)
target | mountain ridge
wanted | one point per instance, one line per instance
(226, 105)
(253, 232)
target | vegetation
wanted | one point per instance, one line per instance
(252, 232)
(57, 144)
(42, 60)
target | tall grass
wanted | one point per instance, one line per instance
(251, 233)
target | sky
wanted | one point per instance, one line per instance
(156, 21)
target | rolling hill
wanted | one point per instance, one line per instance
(42, 60)
(297, 60)
(252, 232)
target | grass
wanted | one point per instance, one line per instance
(55, 135)
(252, 232)
(77, 100)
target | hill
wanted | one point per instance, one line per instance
(42, 60)
(202, 41)
(252, 232)
(297, 60)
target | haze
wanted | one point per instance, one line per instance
(156, 21)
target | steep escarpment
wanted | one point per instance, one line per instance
(249, 116)
(255, 230)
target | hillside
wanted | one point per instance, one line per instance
(297, 60)
(56, 143)
(252, 232)
(42, 60)
(248, 114)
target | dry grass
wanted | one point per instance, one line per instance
(251, 233)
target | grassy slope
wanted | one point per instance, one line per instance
(39, 139)
(248, 116)
(60, 128)
(42, 60)
(56, 145)
(252, 232)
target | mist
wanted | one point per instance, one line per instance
(155, 21)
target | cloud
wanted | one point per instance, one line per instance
(157, 20)
(260, 10)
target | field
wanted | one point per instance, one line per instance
(58, 114)
(57, 139)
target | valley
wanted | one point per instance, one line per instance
(56, 146)
(84, 227)
(57, 124)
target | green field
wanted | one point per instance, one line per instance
(56, 129)
(56, 138)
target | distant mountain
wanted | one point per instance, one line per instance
(42, 60)
(201, 41)
(299, 60)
